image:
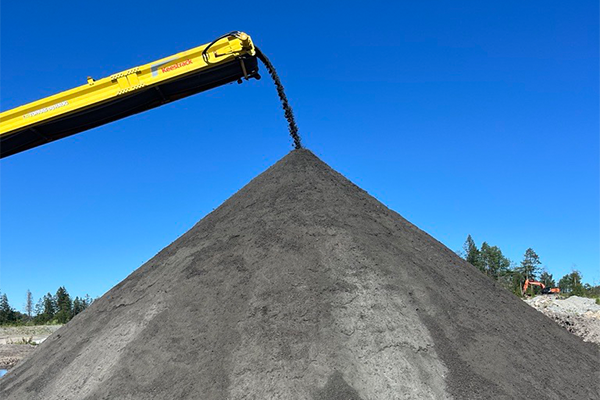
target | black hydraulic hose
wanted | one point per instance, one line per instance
(205, 51)
(289, 113)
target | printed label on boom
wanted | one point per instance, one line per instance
(175, 66)
(46, 109)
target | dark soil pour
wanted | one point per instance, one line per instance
(289, 113)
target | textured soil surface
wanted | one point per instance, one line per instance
(302, 286)
(578, 315)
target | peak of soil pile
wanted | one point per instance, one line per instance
(302, 286)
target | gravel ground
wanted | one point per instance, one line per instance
(302, 286)
(578, 315)
(10, 352)
(37, 333)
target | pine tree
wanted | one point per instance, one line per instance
(78, 306)
(578, 289)
(39, 312)
(7, 313)
(87, 301)
(530, 264)
(472, 253)
(493, 262)
(571, 284)
(64, 306)
(518, 280)
(29, 304)
(39, 307)
(547, 279)
(49, 308)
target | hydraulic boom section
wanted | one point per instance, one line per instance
(231, 57)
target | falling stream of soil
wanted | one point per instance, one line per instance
(289, 113)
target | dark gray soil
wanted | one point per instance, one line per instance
(302, 286)
(285, 104)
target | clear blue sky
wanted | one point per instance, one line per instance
(469, 117)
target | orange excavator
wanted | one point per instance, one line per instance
(545, 290)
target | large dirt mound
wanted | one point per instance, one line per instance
(302, 286)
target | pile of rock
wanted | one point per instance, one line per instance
(579, 315)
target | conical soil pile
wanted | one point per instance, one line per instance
(302, 286)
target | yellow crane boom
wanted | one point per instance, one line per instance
(231, 57)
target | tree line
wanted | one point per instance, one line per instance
(59, 308)
(490, 260)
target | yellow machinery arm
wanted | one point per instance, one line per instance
(227, 59)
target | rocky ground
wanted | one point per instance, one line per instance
(17, 342)
(578, 315)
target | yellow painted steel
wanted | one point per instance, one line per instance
(96, 92)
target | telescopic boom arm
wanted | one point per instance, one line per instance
(230, 58)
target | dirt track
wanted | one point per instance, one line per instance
(302, 286)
